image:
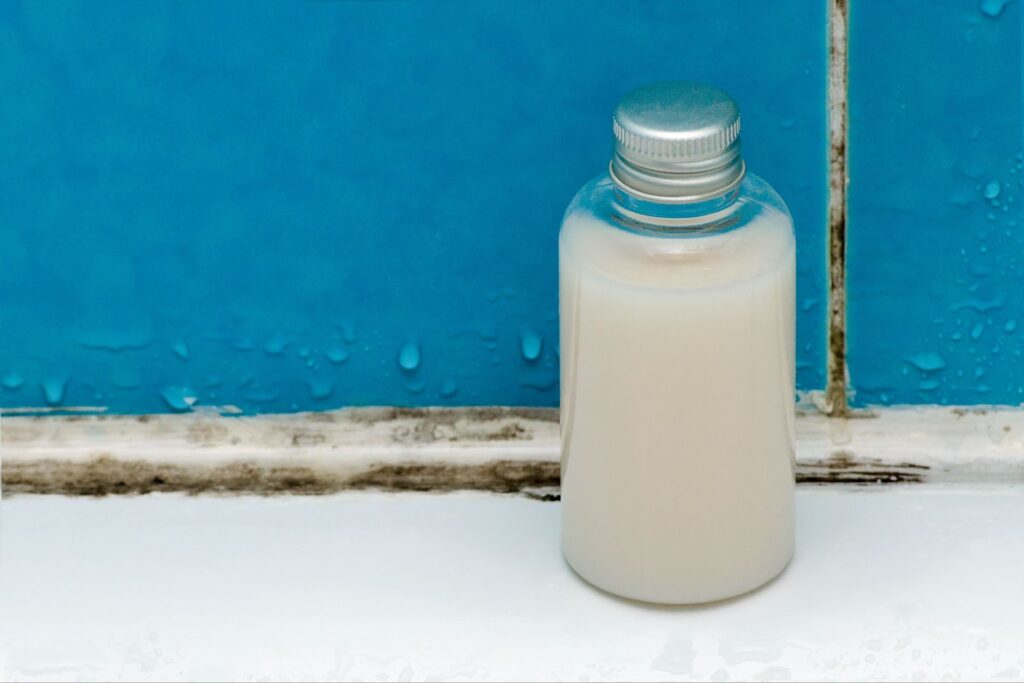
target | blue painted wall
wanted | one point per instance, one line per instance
(262, 204)
(936, 213)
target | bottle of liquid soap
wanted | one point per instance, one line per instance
(677, 273)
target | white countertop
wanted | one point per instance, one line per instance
(905, 582)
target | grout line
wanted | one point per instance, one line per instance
(836, 385)
(503, 450)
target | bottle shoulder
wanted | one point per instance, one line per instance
(752, 235)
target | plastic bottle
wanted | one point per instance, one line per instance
(677, 296)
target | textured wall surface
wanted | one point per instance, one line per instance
(935, 258)
(287, 206)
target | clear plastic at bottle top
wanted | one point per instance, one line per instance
(677, 306)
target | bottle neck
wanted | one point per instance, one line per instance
(663, 215)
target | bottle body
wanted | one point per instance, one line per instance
(677, 376)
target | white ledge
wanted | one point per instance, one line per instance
(888, 583)
(502, 449)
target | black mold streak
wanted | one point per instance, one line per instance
(836, 383)
(104, 475)
(534, 479)
(843, 467)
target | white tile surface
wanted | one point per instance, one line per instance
(894, 584)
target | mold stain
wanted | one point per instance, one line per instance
(371, 416)
(836, 383)
(104, 475)
(843, 467)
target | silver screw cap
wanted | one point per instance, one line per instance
(677, 142)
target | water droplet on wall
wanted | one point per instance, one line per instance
(13, 381)
(276, 345)
(530, 344)
(992, 8)
(180, 349)
(304, 352)
(927, 361)
(320, 389)
(53, 389)
(178, 399)
(982, 305)
(977, 331)
(991, 190)
(409, 356)
(449, 388)
(336, 355)
(1010, 325)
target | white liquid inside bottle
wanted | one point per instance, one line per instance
(677, 351)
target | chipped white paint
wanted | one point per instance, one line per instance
(933, 444)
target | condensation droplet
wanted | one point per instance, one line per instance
(927, 361)
(53, 389)
(530, 344)
(337, 355)
(180, 349)
(178, 399)
(13, 381)
(321, 389)
(409, 356)
(992, 8)
(449, 388)
(276, 345)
